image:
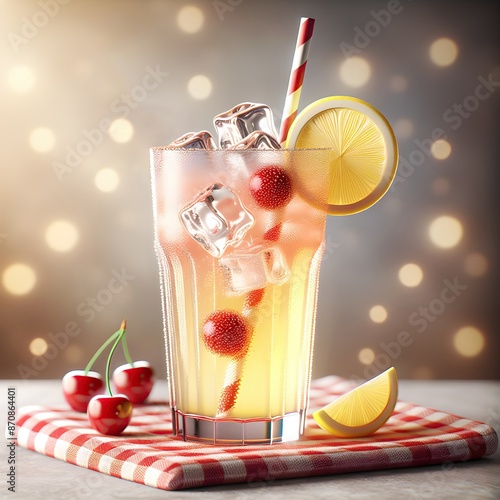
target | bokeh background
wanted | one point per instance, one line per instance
(86, 87)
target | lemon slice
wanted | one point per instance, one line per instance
(363, 410)
(364, 153)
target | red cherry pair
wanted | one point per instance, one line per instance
(84, 389)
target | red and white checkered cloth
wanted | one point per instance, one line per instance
(147, 453)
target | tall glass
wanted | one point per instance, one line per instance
(266, 277)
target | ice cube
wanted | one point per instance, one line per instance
(194, 140)
(244, 272)
(257, 140)
(217, 219)
(240, 121)
(275, 264)
(254, 269)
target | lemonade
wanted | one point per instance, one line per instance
(239, 268)
(239, 237)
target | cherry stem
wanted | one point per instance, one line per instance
(101, 349)
(124, 344)
(121, 334)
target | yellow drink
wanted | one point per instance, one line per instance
(274, 370)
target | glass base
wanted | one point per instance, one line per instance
(237, 431)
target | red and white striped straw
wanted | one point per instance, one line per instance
(234, 370)
(296, 76)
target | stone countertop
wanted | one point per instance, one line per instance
(41, 477)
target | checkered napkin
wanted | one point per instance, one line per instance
(147, 453)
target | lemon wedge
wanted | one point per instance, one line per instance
(363, 410)
(364, 154)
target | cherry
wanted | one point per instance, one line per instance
(83, 389)
(109, 414)
(134, 380)
(271, 187)
(80, 386)
(226, 333)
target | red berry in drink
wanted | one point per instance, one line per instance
(226, 333)
(79, 388)
(254, 298)
(271, 187)
(274, 233)
(228, 397)
(109, 414)
(135, 382)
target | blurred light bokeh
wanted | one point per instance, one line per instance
(87, 87)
